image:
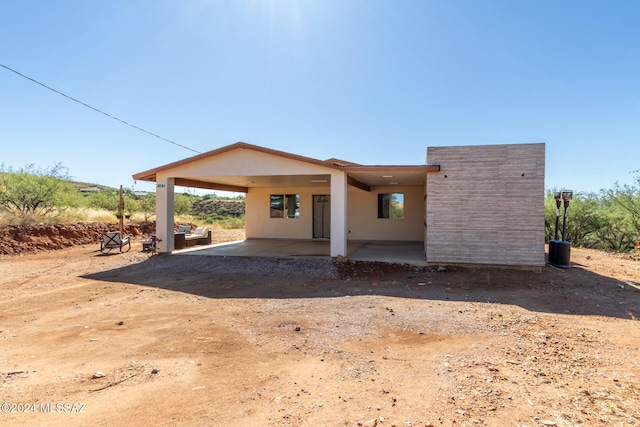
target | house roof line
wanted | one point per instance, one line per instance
(150, 175)
(340, 162)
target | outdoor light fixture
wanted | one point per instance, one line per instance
(559, 250)
(387, 176)
(318, 180)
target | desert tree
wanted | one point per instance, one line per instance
(147, 206)
(182, 204)
(584, 217)
(33, 191)
(623, 202)
(106, 199)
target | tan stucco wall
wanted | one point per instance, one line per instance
(260, 226)
(363, 221)
(486, 205)
(245, 162)
(362, 218)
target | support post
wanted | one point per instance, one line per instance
(339, 214)
(164, 214)
(121, 214)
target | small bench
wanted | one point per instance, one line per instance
(200, 236)
(184, 238)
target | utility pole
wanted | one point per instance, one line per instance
(121, 212)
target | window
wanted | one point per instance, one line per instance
(391, 205)
(285, 206)
(277, 206)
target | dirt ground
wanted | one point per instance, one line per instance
(149, 340)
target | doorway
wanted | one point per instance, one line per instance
(321, 216)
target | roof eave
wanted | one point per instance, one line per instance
(405, 168)
(150, 175)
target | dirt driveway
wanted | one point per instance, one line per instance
(134, 339)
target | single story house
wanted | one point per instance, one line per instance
(466, 204)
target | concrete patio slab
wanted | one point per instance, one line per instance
(392, 252)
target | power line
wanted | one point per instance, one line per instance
(98, 110)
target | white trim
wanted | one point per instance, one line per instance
(339, 214)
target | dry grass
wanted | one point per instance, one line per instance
(64, 216)
(226, 224)
(72, 215)
(19, 218)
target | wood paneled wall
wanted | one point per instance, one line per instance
(486, 205)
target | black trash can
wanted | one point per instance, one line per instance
(560, 253)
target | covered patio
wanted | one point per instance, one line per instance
(302, 199)
(392, 252)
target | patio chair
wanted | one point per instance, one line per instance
(186, 229)
(112, 240)
(200, 231)
(180, 236)
(200, 236)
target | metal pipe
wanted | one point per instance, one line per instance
(564, 221)
(557, 218)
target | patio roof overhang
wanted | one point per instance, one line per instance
(360, 176)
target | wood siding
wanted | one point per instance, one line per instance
(486, 205)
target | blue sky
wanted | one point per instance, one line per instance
(371, 81)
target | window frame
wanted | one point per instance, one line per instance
(290, 206)
(385, 206)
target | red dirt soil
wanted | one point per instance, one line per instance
(141, 339)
